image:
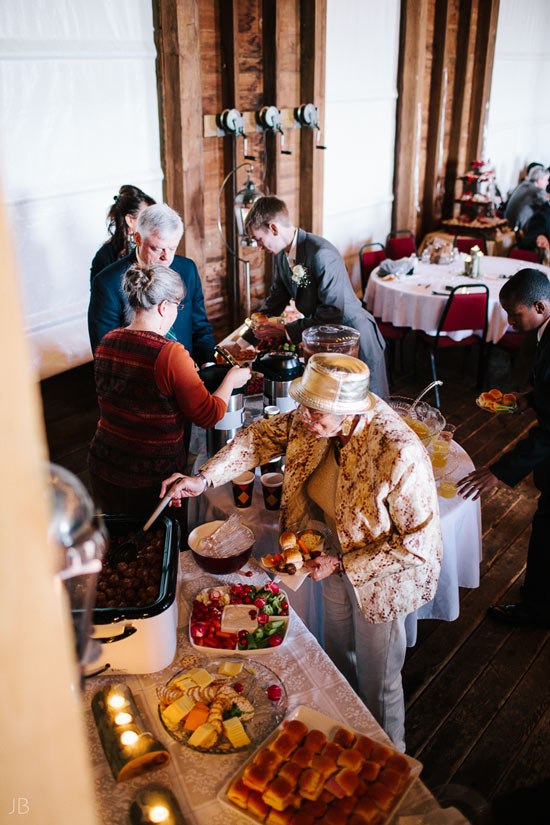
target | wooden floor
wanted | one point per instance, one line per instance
(477, 693)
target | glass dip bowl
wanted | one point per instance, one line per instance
(426, 421)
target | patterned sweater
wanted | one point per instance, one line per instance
(386, 508)
(147, 388)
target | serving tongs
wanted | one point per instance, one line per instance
(128, 550)
(226, 355)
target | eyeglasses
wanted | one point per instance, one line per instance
(179, 305)
(307, 414)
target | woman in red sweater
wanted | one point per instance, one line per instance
(148, 387)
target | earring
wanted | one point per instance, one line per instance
(346, 427)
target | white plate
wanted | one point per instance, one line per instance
(219, 651)
(296, 581)
(315, 720)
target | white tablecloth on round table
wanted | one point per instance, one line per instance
(460, 527)
(407, 301)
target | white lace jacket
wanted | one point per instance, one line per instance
(386, 506)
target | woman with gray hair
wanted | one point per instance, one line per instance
(148, 387)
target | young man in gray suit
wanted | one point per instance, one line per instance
(311, 270)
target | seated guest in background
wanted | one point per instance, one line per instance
(537, 231)
(526, 299)
(352, 462)
(311, 270)
(122, 218)
(527, 197)
(157, 235)
(147, 388)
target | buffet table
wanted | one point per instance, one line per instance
(196, 778)
(460, 527)
(409, 300)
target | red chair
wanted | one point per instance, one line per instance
(511, 342)
(463, 310)
(400, 244)
(524, 255)
(370, 256)
(464, 244)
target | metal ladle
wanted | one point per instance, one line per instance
(423, 393)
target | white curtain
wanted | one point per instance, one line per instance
(79, 114)
(361, 94)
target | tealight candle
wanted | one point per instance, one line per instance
(123, 718)
(129, 737)
(158, 814)
(116, 701)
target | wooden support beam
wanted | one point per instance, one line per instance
(410, 108)
(179, 85)
(439, 91)
(456, 158)
(270, 42)
(313, 16)
(229, 34)
(482, 76)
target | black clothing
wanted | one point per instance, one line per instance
(105, 256)
(533, 454)
(539, 224)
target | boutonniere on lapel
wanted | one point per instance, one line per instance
(300, 275)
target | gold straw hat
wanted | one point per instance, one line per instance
(334, 383)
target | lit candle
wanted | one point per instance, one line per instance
(116, 701)
(158, 814)
(129, 737)
(123, 718)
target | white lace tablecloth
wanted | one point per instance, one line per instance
(460, 527)
(195, 778)
(408, 301)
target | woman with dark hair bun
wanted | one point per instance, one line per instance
(148, 387)
(122, 217)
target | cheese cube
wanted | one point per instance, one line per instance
(230, 668)
(205, 736)
(200, 676)
(235, 732)
(178, 710)
(184, 683)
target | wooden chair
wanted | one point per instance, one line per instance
(400, 244)
(370, 256)
(524, 255)
(463, 310)
(465, 244)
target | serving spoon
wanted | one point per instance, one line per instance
(128, 550)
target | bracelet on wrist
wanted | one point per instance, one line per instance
(205, 480)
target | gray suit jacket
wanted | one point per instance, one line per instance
(328, 298)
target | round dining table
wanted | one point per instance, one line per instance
(417, 301)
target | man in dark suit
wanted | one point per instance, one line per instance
(311, 270)
(526, 300)
(158, 233)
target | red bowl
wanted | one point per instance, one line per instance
(217, 566)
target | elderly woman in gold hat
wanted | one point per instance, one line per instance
(352, 462)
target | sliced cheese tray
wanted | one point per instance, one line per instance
(222, 705)
(314, 768)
